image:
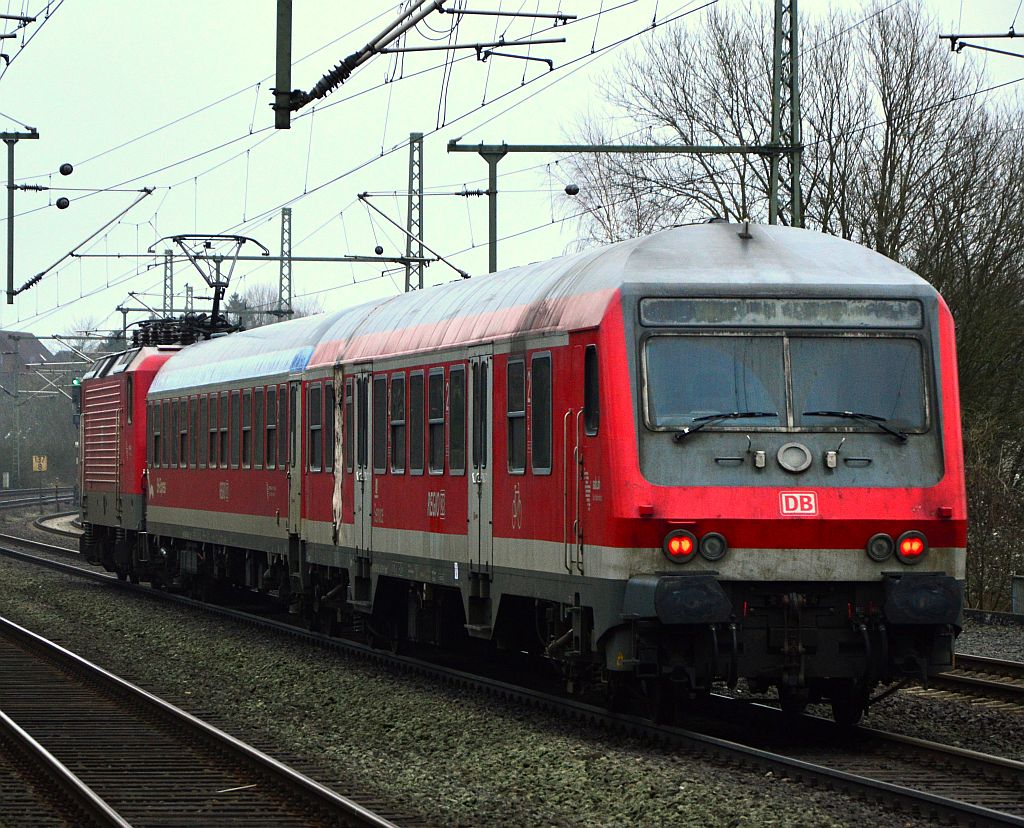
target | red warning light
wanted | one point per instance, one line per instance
(911, 547)
(679, 546)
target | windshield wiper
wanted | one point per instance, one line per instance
(874, 419)
(711, 419)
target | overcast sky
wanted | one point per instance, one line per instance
(175, 96)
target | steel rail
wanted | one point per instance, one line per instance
(327, 802)
(63, 784)
(875, 789)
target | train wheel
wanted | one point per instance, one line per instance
(792, 701)
(660, 697)
(849, 701)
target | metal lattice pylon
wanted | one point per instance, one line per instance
(168, 308)
(284, 285)
(414, 214)
(785, 166)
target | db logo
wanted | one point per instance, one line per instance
(798, 503)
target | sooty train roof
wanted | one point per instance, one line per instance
(567, 293)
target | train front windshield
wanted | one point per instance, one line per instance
(783, 378)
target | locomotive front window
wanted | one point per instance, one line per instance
(689, 377)
(879, 376)
(809, 383)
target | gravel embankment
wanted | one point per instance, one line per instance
(992, 640)
(455, 758)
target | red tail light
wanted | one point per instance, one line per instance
(679, 546)
(911, 547)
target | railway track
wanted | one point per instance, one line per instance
(978, 677)
(16, 498)
(125, 757)
(924, 778)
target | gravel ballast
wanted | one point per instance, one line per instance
(455, 758)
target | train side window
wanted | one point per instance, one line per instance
(246, 428)
(173, 435)
(591, 395)
(457, 420)
(166, 420)
(293, 418)
(540, 414)
(154, 427)
(516, 410)
(282, 426)
(203, 437)
(183, 432)
(480, 415)
(257, 428)
(435, 420)
(398, 413)
(235, 430)
(380, 424)
(214, 432)
(348, 433)
(416, 423)
(364, 414)
(314, 426)
(271, 436)
(193, 430)
(223, 430)
(329, 425)
(129, 397)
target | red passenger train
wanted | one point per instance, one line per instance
(695, 456)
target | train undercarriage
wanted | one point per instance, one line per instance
(677, 636)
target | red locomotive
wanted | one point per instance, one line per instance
(699, 455)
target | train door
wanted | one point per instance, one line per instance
(362, 491)
(480, 540)
(576, 446)
(294, 457)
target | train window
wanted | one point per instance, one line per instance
(435, 420)
(457, 420)
(591, 396)
(329, 425)
(293, 420)
(380, 424)
(235, 423)
(516, 410)
(689, 377)
(364, 414)
(223, 448)
(214, 431)
(271, 435)
(204, 430)
(183, 432)
(314, 427)
(173, 434)
(257, 427)
(398, 423)
(540, 414)
(193, 430)
(166, 420)
(348, 433)
(880, 376)
(282, 426)
(479, 400)
(246, 428)
(129, 397)
(154, 419)
(416, 423)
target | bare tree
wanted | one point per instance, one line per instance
(901, 154)
(256, 306)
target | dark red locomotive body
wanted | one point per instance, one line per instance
(689, 457)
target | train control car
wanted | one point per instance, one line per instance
(702, 455)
